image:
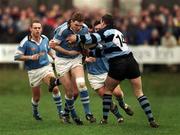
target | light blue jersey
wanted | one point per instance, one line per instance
(61, 33)
(100, 66)
(30, 47)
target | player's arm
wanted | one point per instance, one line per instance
(55, 43)
(20, 55)
(90, 46)
(57, 47)
(88, 39)
(90, 59)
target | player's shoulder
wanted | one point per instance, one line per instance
(24, 41)
(45, 37)
(84, 29)
(61, 28)
(85, 26)
(110, 31)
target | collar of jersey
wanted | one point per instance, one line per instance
(41, 38)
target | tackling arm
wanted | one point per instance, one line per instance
(87, 39)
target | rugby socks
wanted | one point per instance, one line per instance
(66, 110)
(121, 102)
(107, 101)
(70, 105)
(85, 101)
(34, 107)
(146, 107)
(115, 111)
(58, 102)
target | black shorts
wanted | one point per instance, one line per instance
(123, 67)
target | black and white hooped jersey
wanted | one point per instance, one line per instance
(112, 40)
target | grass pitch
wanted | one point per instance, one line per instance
(162, 89)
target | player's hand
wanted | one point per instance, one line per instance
(71, 39)
(72, 52)
(85, 52)
(35, 57)
(90, 59)
(53, 44)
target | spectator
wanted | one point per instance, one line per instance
(9, 36)
(155, 38)
(160, 18)
(168, 40)
(15, 13)
(143, 34)
(132, 30)
(42, 11)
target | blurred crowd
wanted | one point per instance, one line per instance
(153, 26)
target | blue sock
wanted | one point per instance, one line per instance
(121, 102)
(107, 101)
(85, 101)
(66, 109)
(34, 108)
(115, 111)
(58, 102)
(143, 101)
(70, 105)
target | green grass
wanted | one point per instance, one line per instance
(162, 89)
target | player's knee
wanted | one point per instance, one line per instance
(55, 90)
(138, 93)
(117, 94)
(81, 84)
(76, 95)
(35, 99)
(69, 94)
(100, 93)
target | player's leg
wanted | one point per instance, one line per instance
(133, 74)
(55, 93)
(78, 73)
(75, 93)
(143, 100)
(63, 67)
(110, 85)
(53, 82)
(114, 108)
(36, 93)
(118, 93)
(35, 77)
(75, 88)
(69, 97)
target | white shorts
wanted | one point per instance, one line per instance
(36, 75)
(97, 81)
(64, 65)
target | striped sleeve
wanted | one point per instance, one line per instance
(90, 38)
